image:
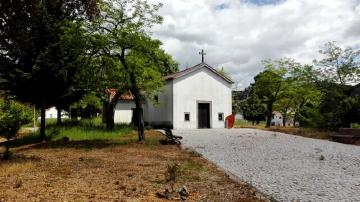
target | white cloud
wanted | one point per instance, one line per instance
(238, 35)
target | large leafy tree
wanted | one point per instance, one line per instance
(271, 83)
(35, 66)
(300, 91)
(252, 108)
(339, 65)
(129, 58)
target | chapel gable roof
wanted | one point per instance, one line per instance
(195, 68)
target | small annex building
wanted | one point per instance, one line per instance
(197, 97)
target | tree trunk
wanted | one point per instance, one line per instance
(58, 122)
(253, 122)
(136, 92)
(269, 114)
(103, 114)
(139, 115)
(284, 119)
(109, 116)
(7, 148)
(42, 121)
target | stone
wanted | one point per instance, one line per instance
(184, 191)
(273, 164)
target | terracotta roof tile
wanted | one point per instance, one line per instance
(125, 96)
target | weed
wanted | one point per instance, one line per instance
(195, 154)
(171, 175)
(17, 183)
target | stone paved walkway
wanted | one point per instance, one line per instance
(286, 167)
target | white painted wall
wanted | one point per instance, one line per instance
(123, 112)
(160, 114)
(51, 113)
(200, 86)
(277, 119)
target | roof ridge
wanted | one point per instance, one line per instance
(191, 69)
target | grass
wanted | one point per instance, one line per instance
(84, 130)
(113, 167)
(248, 124)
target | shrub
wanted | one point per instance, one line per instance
(12, 116)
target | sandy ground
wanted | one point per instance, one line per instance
(103, 171)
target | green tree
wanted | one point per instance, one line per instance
(132, 59)
(339, 65)
(87, 107)
(252, 108)
(270, 84)
(35, 67)
(12, 116)
(300, 91)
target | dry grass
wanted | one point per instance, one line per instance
(304, 132)
(105, 171)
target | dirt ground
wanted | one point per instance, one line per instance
(308, 132)
(106, 171)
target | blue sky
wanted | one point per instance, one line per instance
(239, 34)
(263, 2)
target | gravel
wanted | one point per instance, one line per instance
(285, 167)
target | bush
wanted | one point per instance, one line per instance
(12, 116)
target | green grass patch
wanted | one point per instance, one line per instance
(245, 123)
(91, 131)
(86, 130)
(87, 134)
(77, 133)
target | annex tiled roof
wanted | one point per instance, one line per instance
(195, 68)
(125, 96)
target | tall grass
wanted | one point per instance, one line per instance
(79, 130)
(248, 124)
(91, 129)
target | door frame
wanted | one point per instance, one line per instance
(198, 115)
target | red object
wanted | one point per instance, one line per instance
(230, 120)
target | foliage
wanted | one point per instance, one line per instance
(87, 107)
(340, 65)
(338, 108)
(301, 90)
(252, 108)
(129, 59)
(41, 48)
(12, 116)
(270, 84)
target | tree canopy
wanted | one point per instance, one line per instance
(129, 58)
(39, 56)
(318, 95)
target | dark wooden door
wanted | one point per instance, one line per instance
(204, 115)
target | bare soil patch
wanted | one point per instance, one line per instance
(310, 133)
(105, 171)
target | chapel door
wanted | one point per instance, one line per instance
(204, 115)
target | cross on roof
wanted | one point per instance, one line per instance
(202, 53)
